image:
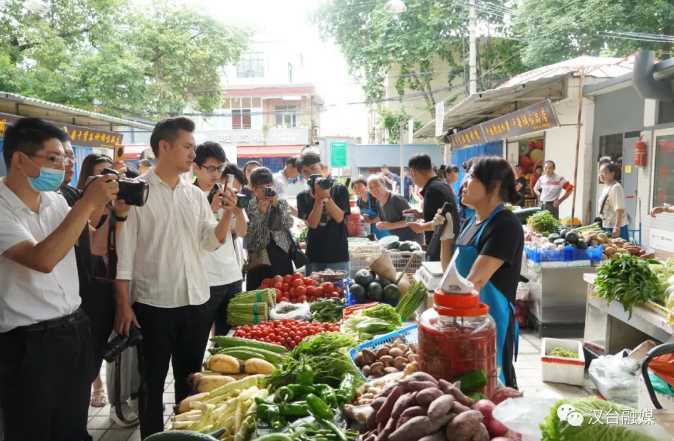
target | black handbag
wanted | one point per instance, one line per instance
(296, 255)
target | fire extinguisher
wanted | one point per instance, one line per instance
(641, 153)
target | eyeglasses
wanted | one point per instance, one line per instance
(212, 168)
(55, 159)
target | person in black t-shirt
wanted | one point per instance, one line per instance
(490, 252)
(324, 211)
(435, 192)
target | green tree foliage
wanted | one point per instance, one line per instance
(113, 56)
(556, 30)
(374, 40)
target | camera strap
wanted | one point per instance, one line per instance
(111, 267)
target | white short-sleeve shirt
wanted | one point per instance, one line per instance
(28, 296)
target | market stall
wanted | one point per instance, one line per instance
(333, 358)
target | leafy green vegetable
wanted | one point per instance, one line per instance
(323, 343)
(559, 351)
(591, 409)
(384, 312)
(327, 310)
(543, 222)
(628, 280)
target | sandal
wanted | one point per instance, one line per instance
(98, 398)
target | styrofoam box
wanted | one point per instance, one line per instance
(562, 369)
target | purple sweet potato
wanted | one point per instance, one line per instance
(459, 408)
(453, 389)
(437, 436)
(410, 413)
(420, 376)
(418, 427)
(388, 429)
(465, 426)
(405, 401)
(378, 402)
(482, 434)
(440, 407)
(384, 412)
(427, 396)
(420, 385)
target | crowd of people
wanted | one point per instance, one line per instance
(81, 266)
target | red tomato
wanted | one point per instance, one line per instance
(327, 287)
(334, 294)
(301, 290)
(286, 286)
(297, 276)
(278, 279)
(279, 294)
(302, 299)
(288, 278)
(278, 285)
(298, 282)
(308, 281)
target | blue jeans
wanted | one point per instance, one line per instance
(313, 267)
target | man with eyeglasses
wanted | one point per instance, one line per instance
(69, 192)
(162, 249)
(46, 353)
(222, 265)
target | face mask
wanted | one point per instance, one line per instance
(49, 179)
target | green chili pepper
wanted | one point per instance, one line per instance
(268, 412)
(305, 376)
(299, 391)
(319, 408)
(297, 409)
(334, 429)
(283, 395)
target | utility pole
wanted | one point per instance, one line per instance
(472, 61)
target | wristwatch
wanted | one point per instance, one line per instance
(117, 218)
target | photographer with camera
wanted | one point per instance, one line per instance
(44, 334)
(162, 250)
(324, 207)
(222, 265)
(269, 242)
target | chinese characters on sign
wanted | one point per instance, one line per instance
(539, 116)
(627, 417)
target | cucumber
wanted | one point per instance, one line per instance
(245, 353)
(222, 341)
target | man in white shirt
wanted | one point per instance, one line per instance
(552, 189)
(45, 339)
(163, 250)
(222, 265)
(288, 183)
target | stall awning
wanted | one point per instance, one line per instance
(268, 151)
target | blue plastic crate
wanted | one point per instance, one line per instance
(566, 254)
(408, 333)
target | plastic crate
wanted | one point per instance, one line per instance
(400, 258)
(408, 333)
(566, 254)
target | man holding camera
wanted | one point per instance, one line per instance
(162, 250)
(44, 335)
(324, 208)
(222, 265)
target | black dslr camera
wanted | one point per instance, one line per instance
(242, 200)
(324, 183)
(269, 192)
(131, 191)
(120, 343)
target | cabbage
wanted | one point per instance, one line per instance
(553, 429)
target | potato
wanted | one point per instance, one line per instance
(387, 360)
(224, 364)
(399, 363)
(395, 352)
(366, 370)
(377, 369)
(382, 351)
(207, 383)
(258, 366)
(185, 404)
(369, 357)
(390, 370)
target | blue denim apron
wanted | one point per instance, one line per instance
(500, 308)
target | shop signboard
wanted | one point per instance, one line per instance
(338, 154)
(82, 136)
(534, 118)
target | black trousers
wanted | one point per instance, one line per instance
(220, 297)
(45, 379)
(98, 302)
(175, 335)
(281, 264)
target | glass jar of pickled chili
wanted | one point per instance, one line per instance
(457, 336)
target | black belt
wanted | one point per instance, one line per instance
(67, 320)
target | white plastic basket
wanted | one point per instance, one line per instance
(400, 259)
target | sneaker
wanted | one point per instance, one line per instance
(129, 416)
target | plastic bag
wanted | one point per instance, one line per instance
(291, 311)
(524, 415)
(616, 378)
(663, 366)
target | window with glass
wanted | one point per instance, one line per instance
(286, 115)
(240, 118)
(663, 171)
(250, 66)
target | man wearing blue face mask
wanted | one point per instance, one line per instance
(45, 338)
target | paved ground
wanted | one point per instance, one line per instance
(528, 370)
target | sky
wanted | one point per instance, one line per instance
(325, 65)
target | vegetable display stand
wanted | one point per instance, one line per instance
(609, 328)
(557, 298)
(458, 336)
